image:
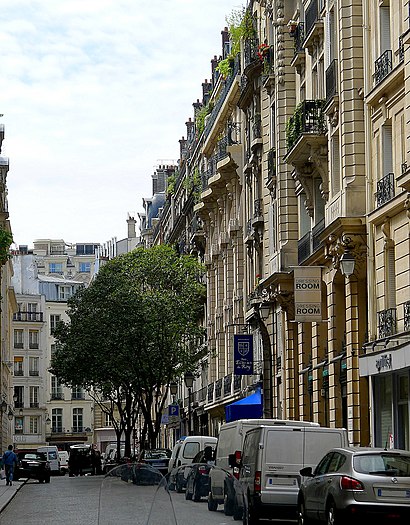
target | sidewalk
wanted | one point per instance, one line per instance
(8, 493)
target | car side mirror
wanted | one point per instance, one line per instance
(306, 471)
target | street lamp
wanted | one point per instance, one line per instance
(347, 263)
(264, 310)
(189, 382)
(173, 388)
(10, 414)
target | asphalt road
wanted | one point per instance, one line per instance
(89, 500)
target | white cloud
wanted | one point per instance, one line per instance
(93, 93)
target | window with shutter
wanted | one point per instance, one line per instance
(385, 36)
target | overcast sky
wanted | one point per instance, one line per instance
(95, 94)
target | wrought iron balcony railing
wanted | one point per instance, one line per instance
(271, 163)
(210, 392)
(237, 383)
(331, 81)
(257, 208)
(28, 316)
(250, 51)
(407, 316)
(401, 48)
(316, 231)
(227, 384)
(312, 15)
(308, 118)
(304, 247)
(218, 388)
(299, 37)
(383, 66)
(385, 189)
(387, 322)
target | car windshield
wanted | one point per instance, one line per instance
(383, 464)
(155, 454)
(36, 456)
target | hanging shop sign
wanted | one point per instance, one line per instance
(308, 294)
(243, 354)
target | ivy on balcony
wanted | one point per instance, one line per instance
(308, 117)
(5, 241)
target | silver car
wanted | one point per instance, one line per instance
(357, 484)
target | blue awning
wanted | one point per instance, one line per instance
(247, 408)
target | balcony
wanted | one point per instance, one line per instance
(313, 25)
(33, 373)
(218, 388)
(250, 54)
(407, 316)
(32, 317)
(387, 323)
(210, 395)
(310, 242)
(331, 81)
(34, 404)
(382, 67)
(18, 373)
(385, 189)
(57, 396)
(307, 119)
(227, 384)
(237, 383)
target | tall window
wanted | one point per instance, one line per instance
(390, 275)
(19, 425)
(18, 339)
(387, 145)
(335, 160)
(55, 268)
(54, 320)
(85, 267)
(18, 366)
(34, 366)
(77, 420)
(34, 390)
(56, 388)
(57, 420)
(34, 425)
(108, 419)
(65, 292)
(33, 338)
(77, 393)
(385, 29)
(19, 395)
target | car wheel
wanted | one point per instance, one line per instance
(47, 480)
(237, 512)
(188, 495)
(250, 516)
(196, 496)
(212, 504)
(332, 514)
(178, 487)
(302, 519)
(228, 506)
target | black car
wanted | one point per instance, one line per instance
(32, 465)
(197, 482)
(157, 458)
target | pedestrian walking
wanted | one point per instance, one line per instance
(9, 459)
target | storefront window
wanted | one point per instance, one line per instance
(403, 412)
(384, 417)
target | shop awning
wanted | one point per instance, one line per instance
(249, 407)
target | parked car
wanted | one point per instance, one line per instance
(157, 458)
(63, 457)
(51, 452)
(32, 465)
(269, 478)
(197, 483)
(357, 484)
(80, 460)
(182, 458)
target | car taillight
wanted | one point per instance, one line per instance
(257, 481)
(347, 483)
(202, 469)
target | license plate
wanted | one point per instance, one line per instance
(288, 482)
(391, 493)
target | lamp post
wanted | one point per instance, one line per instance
(3, 409)
(173, 389)
(189, 381)
(347, 261)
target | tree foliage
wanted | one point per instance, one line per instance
(131, 332)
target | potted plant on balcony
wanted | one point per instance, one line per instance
(263, 52)
(292, 26)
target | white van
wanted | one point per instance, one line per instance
(228, 457)
(181, 458)
(272, 457)
(51, 451)
(186, 449)
(63, 457)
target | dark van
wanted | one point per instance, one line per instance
(80, 460)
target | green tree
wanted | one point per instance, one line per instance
(133, 330)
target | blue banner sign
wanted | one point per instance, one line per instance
(243, 354)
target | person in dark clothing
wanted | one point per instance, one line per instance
(9, 459)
